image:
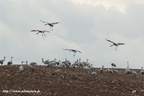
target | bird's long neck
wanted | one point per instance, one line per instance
(21, 62)
(4, 59)
(87, 61)
(59, 62)
(11, 59)
(26, 62)
(111, 45)
(141, 68)
(127, 65)
(54, 59)
(79, 59)
(42, 60)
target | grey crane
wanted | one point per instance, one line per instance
(73, 50)
(79, 63)
(10, 62)
(75, 64)
(142, 71)
(61, 64)
(115, 44)
(50, 24)
(67, 63)
(40, 31)
(56, 72)
(46, 61)
(134, 72)
(53, 63)
(109, 71)
(128, 71)
(85, 63)
(116, 71)
(1, 61)
(29, 66)
(113, 65)
(86, 68)
(33, 63)
(94, 73)
(101, 70)
(21, 69)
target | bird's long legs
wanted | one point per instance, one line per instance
(111, 45)
(74, 54)
(116, 48)
(43, 34)
(51, 28)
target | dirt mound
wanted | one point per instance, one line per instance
(69, 82)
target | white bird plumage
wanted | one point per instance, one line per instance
(94, 73)
(21, 69)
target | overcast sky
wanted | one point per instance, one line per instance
(84, 26)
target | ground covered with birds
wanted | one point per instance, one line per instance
(68, 82)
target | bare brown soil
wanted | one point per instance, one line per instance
(70, 82)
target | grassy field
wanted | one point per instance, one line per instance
(69, 82)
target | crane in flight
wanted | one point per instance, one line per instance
(40, 31)
(73, 50)
(50, 24)
(115, 44)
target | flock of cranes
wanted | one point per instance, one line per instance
(51, 29)
(43, 31)
(70, 50)
(85, 65)
(8, 63)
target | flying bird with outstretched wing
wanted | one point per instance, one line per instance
(115, 44)
(73, 50)
(40, 31)
(50, 24)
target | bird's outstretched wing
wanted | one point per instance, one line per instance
(121, 43)
(34, 30)
(45, 31)
(43, 21)
(55, 22)
(70, 50)
(78, 51)
(67, 49)
(73, 50)
(109, 41)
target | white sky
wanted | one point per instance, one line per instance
(84, 26)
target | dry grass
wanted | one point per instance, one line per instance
(70, 82)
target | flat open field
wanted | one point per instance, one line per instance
(69, 82)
